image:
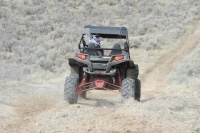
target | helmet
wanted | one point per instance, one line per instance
(95, 39)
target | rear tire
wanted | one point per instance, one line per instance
(138, 90)
(128, 88)
(133, 74)
(70, 95)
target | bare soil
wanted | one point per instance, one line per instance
(27, 107)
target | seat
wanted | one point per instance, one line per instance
(93, 51)
(116, 52)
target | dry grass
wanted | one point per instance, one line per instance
(4, 85)
(188, 71)
(41, 34)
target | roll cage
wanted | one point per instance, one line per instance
(105, 32)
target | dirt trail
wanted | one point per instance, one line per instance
(155, 78)
(41, 108)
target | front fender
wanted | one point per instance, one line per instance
(75, 61)
(114, 63)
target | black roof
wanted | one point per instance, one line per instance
(106, 31)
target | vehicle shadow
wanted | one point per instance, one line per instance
(99, 103)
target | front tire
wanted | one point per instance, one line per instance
(70, 95)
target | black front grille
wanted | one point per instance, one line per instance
(99, 66)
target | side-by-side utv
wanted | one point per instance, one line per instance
(113, 72)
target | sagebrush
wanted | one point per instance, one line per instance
(43, 33)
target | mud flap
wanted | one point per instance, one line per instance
(132, 72)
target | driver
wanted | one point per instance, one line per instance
(94, 42)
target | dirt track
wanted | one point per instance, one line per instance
(154, 79)
(41, 108)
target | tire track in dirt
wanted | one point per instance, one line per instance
(154, 80)
(30, 101)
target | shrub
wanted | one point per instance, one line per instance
(151, 44)
(188, 70)
(26, 70)
(45, 32)
(161, 39)
(175, 33)
(135, 42)
(40, 52)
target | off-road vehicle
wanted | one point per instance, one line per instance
(114, 72)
